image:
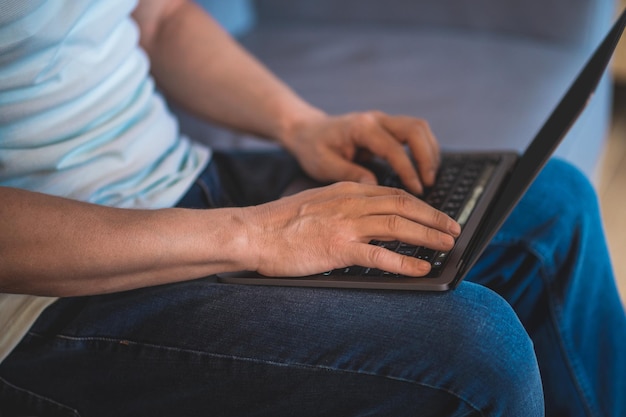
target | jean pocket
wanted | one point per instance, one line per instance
(18, 402)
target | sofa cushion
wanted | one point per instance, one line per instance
(477, 91)
(573, 22)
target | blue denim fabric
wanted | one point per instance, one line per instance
(202, 348)
(551, 263)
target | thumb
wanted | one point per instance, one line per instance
(343, 170)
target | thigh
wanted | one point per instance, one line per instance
(201, 348)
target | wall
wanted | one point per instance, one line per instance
(619, 63)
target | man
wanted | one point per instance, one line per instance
(92, 167)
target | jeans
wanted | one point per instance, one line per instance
(537, 327)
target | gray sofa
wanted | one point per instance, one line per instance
(484, 73)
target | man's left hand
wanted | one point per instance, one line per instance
(327, 146)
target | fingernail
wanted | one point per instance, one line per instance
(447, 240)
(454, 228)
(417, 186)
(424, 268)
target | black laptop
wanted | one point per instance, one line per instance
(479, 190)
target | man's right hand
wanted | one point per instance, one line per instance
(327, 228)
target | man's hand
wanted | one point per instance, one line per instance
(326, 147)
(330, 227)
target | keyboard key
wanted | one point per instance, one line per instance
(406, 250)
(372, 272)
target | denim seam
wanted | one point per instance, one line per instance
(581, 383)
(127, 342)
(41, 397)
(206, 192)
(534, 248)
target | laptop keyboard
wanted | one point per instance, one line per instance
(460, 183)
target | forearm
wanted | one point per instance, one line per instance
(202, 68)
(60, 247)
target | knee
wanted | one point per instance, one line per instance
(558, 211)
(490, 333)
(491, 352)
(565, 188)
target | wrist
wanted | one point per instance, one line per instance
(291, 126)
(229, 249)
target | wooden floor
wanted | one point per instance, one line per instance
(611, 186)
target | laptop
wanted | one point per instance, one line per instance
(478, 189)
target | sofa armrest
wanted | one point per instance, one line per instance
(575, 22)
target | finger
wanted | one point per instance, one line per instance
(417, 134)
(425, 150)
(394, 227)
(410, 208)
(383, 144)
(372, 256)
